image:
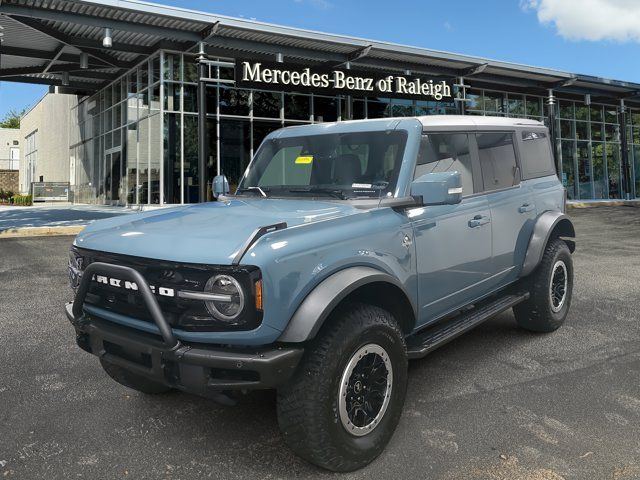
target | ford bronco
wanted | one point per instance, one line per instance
(347, 249)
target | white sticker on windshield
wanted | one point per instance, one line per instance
(361, 185)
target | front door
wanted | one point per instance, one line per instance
(453, 242)
(114, 184)
(116, 177)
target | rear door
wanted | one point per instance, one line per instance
(453, 242)
(511, 202)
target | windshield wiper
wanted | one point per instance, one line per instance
(333, 192)
(253, 189)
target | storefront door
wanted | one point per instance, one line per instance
(114, 184)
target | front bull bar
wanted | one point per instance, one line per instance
(126, 273)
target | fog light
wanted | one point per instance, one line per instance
(228, 286)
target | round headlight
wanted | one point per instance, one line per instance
(231, 302)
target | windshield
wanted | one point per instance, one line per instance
(345, 165)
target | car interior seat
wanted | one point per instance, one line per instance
(347, 169)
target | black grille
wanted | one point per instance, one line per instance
(180, 313)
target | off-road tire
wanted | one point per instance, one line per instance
(308, 406)
(537, 313)
(132, 380)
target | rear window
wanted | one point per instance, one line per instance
(497, 160)
(536, 160)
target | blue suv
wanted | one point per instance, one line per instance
(347, 249)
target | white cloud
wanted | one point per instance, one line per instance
(320, 4)
(593, 20)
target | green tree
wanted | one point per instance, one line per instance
(12, 118)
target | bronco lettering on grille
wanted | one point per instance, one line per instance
(127, 285)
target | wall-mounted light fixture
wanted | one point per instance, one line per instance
(107, 41)
(279, 58)
(84, 60)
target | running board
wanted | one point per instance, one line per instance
(433, 337)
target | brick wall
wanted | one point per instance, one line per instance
(9, 180)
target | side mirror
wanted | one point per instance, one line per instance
(220, 185)
(441, 188)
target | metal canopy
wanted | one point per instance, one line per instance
(44, 39)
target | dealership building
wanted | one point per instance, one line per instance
(165, 98)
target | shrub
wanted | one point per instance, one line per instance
(23, 200)
(5, 196)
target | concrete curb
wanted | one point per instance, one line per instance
(603, 203)
(41, 231)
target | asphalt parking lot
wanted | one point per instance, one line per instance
(64, 215)
(498, 403)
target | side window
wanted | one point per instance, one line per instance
(537, 160)
(497, 160)
(446, 152)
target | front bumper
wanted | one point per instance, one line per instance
(194, 368)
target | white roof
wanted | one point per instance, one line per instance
(475, 121)
(432, 123)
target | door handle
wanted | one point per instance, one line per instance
(526, 207)
(478, 220)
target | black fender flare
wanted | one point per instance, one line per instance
(323, 299)
(546, 224)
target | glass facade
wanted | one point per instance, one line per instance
(116, 140)
(589, 137)
(136, 141)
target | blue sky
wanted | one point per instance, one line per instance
(561, 34)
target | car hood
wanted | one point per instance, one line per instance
(210, 233)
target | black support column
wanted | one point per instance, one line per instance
(203, 138)
(551, 104)
(624, 152)
(461, 100)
